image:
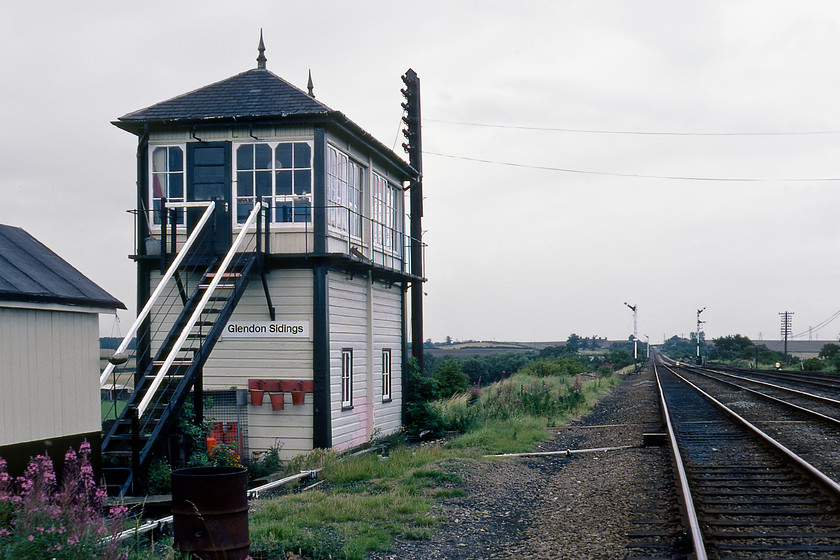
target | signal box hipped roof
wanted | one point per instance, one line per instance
(30, 272)
(256, 96)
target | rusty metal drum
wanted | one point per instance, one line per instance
(210, 512)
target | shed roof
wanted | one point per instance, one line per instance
(31, 272)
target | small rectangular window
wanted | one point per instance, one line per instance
(347, 378)
(386, 374)
(167, 180)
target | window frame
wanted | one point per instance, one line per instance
(386, 208)
(293, 198)
(154, 222)
(345, 190)
(346, 378)
(386, 375)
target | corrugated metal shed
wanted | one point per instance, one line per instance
(30, 272)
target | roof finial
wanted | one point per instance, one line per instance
(261, 58)
(309, 85)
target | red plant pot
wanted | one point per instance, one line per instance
(257, 397)
(271, 385)
(298, 397)
(277, 401)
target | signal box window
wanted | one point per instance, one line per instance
(167, 176)
(280, 173)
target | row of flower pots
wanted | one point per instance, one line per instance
(277, 389)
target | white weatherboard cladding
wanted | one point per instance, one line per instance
(236, 360)
(49, 365)
(348, 329)
(366, 318)
(387, 333)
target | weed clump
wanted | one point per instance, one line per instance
(41, 519)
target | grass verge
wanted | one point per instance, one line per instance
(370, 499)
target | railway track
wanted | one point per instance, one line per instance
(745, 496)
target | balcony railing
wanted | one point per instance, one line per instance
(358, 236)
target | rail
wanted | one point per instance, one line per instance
(825, 482)
(682, 478)
(208, 294)
(170, 272)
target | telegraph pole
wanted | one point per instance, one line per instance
(414, 148)
(787, 325)
(699, 322)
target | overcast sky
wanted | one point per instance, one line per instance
(549, 199)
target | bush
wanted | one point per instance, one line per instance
(518, 397)
(450, 379)
(159, 478)
(813, 364)
(39, 519)
(268, 463)
(560, 367)
(418, 391)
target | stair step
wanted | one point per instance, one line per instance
(219, 287)
(224, 275)
(117, 452)
(175, 362)
(126, 437)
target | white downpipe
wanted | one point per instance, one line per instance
(164, 369)
(210, 206)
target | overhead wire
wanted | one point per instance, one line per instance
(819, 326)
(633, 175)
(632, 132)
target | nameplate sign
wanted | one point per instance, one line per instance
(267, 329)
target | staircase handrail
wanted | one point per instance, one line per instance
(205, 217)
(199, 309)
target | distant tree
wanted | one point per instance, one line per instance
(732, 347)
(574, 342)
(619, 358)
(557, 351)
(829, 350)
(679, 348)
(475, 369)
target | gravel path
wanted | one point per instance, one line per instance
(582, 506)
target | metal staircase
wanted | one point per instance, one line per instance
(136, 434)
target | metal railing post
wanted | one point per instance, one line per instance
(135, 449)
(173, 233)
(164, 216)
